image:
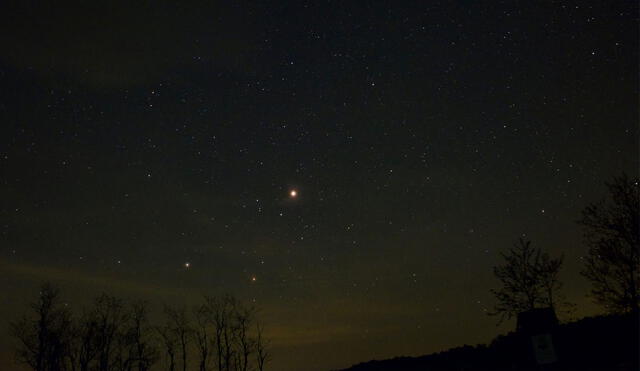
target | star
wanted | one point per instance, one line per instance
(187, 265)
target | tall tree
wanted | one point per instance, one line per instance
(221, 310)
(85, 348)
(612, 232)
(170, 344)
(142, 353)
(262, 353)
(244, 343)
(202, 332)
(110, 316)
(180, 327)
(43, 337)
(529, 279)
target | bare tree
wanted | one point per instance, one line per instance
(529, 280)
(180, 328)
(142, 353)
(170, 344)
(220, 310)
(228, 303)
(43, 338)
(202, 334)
(109, 316)
(84, 349)
(612, 232)
(262, 352)
(242, 318)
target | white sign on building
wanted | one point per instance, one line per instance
(543, 349)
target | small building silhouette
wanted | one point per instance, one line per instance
(537, 321)
(538, 326)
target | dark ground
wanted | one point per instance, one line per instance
(604, 343)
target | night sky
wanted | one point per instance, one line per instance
(149, 149)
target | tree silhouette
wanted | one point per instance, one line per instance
(180, 328)
(202, 333)
(141, 350)
(115, 336)
(262, 354)
(611, 230)
(220, 310)
(169, 343)
(529, 280)
(109, 316)
(44, 337)
(236, 345)
(85, 348)
(243, 317)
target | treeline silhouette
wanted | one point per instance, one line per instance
(220, 333)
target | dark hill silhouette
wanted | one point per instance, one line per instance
(604, 343)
